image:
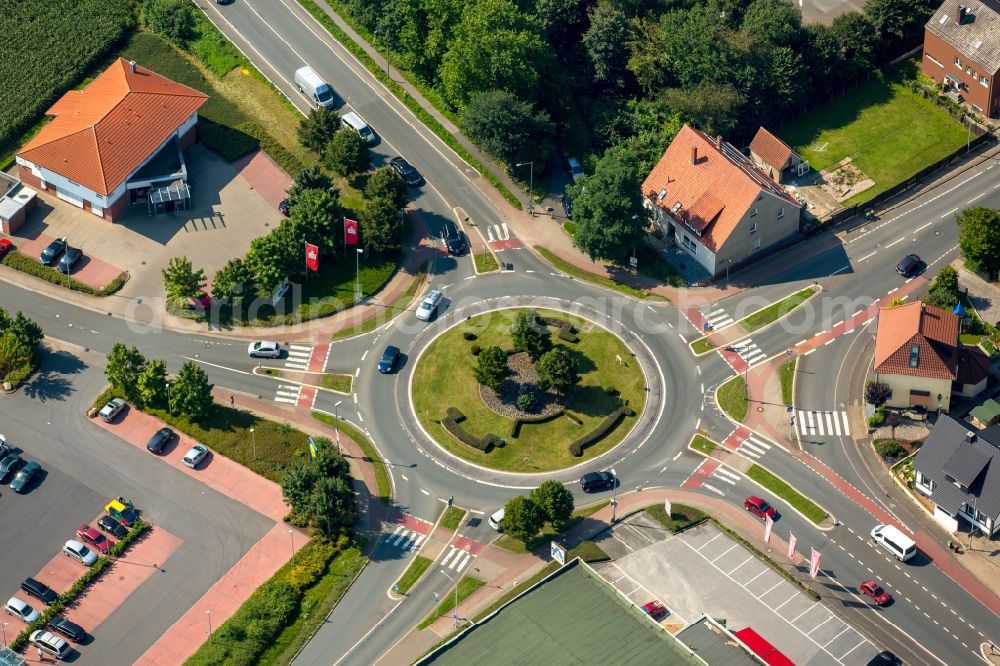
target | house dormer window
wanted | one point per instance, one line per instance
(914, 356)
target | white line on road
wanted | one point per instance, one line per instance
(357, 371)
(949, 213)
(364, 355)
(678, 455)
(683, 338)
(898, 240)
(361, 418)
(425, 492)
(809, 352)
(221, 367)
(696, 426)
(839, 270)
(868, 256)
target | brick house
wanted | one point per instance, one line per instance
(919, 356)
(117, 142)
(962, 52)
(710, 199)
(775, 157)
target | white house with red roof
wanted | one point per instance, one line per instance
(712, 201)
(117, 142)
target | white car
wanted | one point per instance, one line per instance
(110, 411)
(264, 349)
(49, 643)
(429, 305)
(77, 551)
(197, 453)
(496, 518)
(21, 610)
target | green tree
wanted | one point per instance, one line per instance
(529, 334)
(555, 501)
(331, 503)
(174, 19)
(508, 128)
(191, 394)
(346, 153)
(180, 279)
(979, 239)
(234, 280)
(277, 255)
(609, 30)
(943, 292)
(385, 183)
(13, 354)
(151, 384)
(316, 129)
(557, 368)
(296, 486)
(522, 518)
(123, 368)
(310, 178)
(491, 367)
(381, 227)
(773, 21)
(24, 329)
(317, 216)
(713, 106)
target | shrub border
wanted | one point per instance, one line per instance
(451, 424)
(21, 262)
(607, 425)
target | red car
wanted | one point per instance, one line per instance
(655, 610)
(5, 247)
(91, 536)
(872, 589)
(759, 507)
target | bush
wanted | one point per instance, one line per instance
(567, 336)
(277, 152)
(889, 448)
(515, 430)
(877, 420)
(525, 401)
(451, 424)
(607, 425)
(475, 350)
(469, 335)
(31, 266)
(17, 376)
(610, 390)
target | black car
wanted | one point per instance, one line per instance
(283, 208)
(52, 251)
(159, 440)
(567, 205)
(112, 527)
(595, 481)
(908, 265)
(406, 171)
(24, 478)
(70, 630)
(69, 259)
(452, 238)
(885, 658)
(8, 464)
(388, 360)
(38, 590)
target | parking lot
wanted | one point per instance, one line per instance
(703, 571)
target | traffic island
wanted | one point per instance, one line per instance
(326, 381)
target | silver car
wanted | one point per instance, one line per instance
(111, 410)
(21, 610)
(77, 551)
(264, 349)
(429, 305)
(197, 453)
(49, 643)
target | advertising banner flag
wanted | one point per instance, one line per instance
(791, 546)
(814, 564)
(350, 232)
(312, 449)
(768, 524)
(312, 257)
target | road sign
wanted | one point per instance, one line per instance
(633, 262)
(558, 554)
(788, 409)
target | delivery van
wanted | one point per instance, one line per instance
(357, 123)
(901, 546)
(316, 89)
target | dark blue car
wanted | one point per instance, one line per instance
(388, 360)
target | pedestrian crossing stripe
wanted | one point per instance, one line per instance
(749, 352)
(726, 473)
(461, 559)
(299, 354)
(754, 447)
(712, 488)
(824, 423)
(405, 538)
(289, 394)
(306, 348)
(718, 318)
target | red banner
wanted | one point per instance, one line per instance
(814, 564)
(791, 546)
(312, 257)
(768, 524)
(350, 232)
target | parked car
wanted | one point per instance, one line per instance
(496, 519)
(283, 208)
(159, 440)
(873, 590)
(567, 204)
(452, 238)
(8, 465)
(52, 251)
(39, 590)
(574, 169)
(194, 457)
(112, 527)
(5, 247)
(21, 610)
(122, 511)
(429, 305)
(111, 410)
(264, 349)
(406, 171)
(93, 537)
(884, 658)
(655, 610)
(594, 481)
(70, 257)
(25, 477)
(387, 363)
(759, 507)
(908, 265)
(70, 630)
(73, 549)
(49, 643)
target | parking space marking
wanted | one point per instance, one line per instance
(739, 565)
(724, 553)
(846, 627)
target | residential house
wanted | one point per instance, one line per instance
(775, 157)
(117, 142)
(955, 468)
(711, 200)
(962, 52)
(919, 356)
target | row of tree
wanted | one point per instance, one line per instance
(524, 517)
(555, 366)
(144, 382)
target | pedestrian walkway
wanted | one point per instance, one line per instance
(741, 356)
(298, 357)
(409, 533)
(743, 441)
(814, 423)
(499, 237)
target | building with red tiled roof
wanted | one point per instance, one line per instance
(919, 356)
(775, 157)
(711, 200)
(117, 142)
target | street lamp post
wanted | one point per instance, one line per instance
(170, 408)
(253, 436)
(4, 628)
(614, 495)
(291, 539)
(729, 263)
(531, 185)
(454, 610)
(208, 612)
(357, 276)
(336, 422)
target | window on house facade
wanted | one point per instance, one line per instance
(756, 244)
(934, 60)
(958, 61)
(968, 70)
(689, 244)
(781, 213)
(985, 82)
(753, 227)
(753, 212)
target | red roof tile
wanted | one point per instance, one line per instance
(771, 149)
(932, 330)
(101, 134)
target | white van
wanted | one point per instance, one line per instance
(356, 123)
(901, 546)
(495, 519)
(316, 89)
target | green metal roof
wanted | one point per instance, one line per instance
(986, 412)
(572, 617)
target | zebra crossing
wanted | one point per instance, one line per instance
(405, 539)
(823, 423)
(456, 559)
(747, 352)
(298, 357)
(754, 447)
(722, 475)
(287, 393)
(501, 230)
(717, 317)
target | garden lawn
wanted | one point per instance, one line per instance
(383, 483)
(444, 378)
(775, 311)
(702, 345)
(452, 518)
(889, 131)
(731, 399)
(338, 383)
(803, 504)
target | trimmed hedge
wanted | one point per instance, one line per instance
(22, 262)
(515, 430)
(595, 435)
(567, 331)
(277, 152)
(450, 423)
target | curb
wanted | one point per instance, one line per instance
(293, 381)
(398, 596)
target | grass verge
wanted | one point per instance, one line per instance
(338, 383)
(588, 551)
(579, 273)
(417, 567)
(486, 262)
(787, 374)
(775, 311)
(681, 516)
(22, 262)
(732, 399)
(466, 586)
(702, 345)
(548, 532)
(384, 314)
(383, 483)
(452, 518)
(504, 598)
(703, 444)
(778, 487)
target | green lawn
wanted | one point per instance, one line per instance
(732, 400)
(452, 518)
(703, 444)
(588, 551)
(417, 567)
(335, 382)
(681, 516)
(888, 130)
(383, 483)
(787, 373)
(466, 586)
(580, 274)
(548, 531)
(776, 311)
(803, 504)
(570, 228)
(384, 314)
(486, 262)
(446, 369)
(702, 345)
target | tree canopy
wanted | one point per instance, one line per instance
(491, 367)
(979, 239)
(522, 518)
